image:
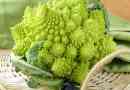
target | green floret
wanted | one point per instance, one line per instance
(66, 13)
(91, 27)
(19, 49)
(28, 13)
(22, 46)
(18, 32)
(76, 18)
(71, 52)
(87, 52)
(47, 44)
(57, 39)
(80, 72)
(99, 17)
(62, 67)
(65, 40)
(45, 59)
(58, 49)
(71, 26)
(106, 46)
(42, 36)
(78, 37)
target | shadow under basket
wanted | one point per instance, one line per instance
(98, 79)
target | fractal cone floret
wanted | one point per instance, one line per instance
(63, 37)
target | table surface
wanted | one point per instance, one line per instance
(4, 51)
(118, 7)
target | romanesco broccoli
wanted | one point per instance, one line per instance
(74, 37)
(66, 66)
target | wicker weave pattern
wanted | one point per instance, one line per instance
(9, 78)
(109, 81)
(98, 79)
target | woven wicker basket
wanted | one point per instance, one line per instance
(9, 78)
(98, 79)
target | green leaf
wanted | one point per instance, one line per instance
(49, 84)
(118, 23)
(29, 69)
(118, 66)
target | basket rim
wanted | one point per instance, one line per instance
(99, 66)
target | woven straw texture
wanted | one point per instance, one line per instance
(98, 79)
(9, 78)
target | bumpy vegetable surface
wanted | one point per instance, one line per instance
(74, 38)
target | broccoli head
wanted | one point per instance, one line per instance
(73, 38)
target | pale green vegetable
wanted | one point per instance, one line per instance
(74, 37)
(63, 67)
